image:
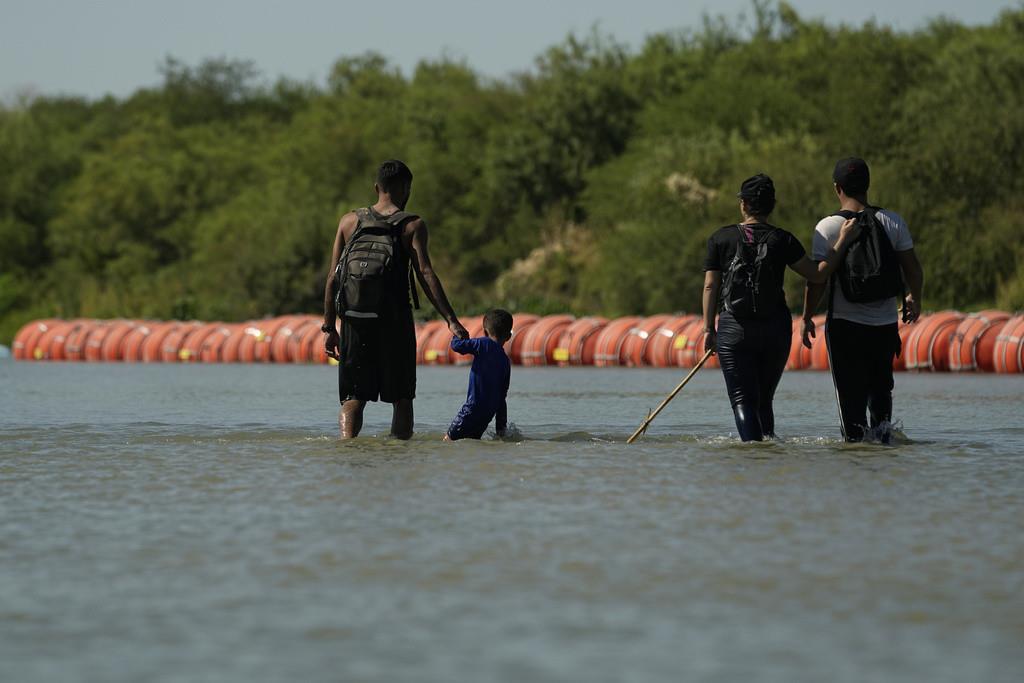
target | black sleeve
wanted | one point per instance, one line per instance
(713, 259)
(794, 250)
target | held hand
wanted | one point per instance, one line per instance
(457, 330)
(808, 332)
(911, 309)
(332, 345)
(849, 232)
(711, 342)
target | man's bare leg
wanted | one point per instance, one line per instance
(350, 419)
(401, 420)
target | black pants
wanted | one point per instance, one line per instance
(753, 354)
(861, 359)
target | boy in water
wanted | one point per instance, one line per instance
(488, 379)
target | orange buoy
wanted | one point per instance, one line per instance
(311, 337)
(153, 344)
(262, 350)
(24, 343)
(31, 350)
(112, 348)
(795, 360)
(521, 324)
(608, 348)
(634, 346)
(899, 362)
(252, 335)
(94, 343)
(435, 350)
(50, 345)
(293, 342)
(423, 334)
(171, 347)
(1008, 351)
(974, 341)
(279, 344)
(928, 345)
(475, 327)
(209, 348)
(684, 347)
(542, 339)
(578, 341)
(191, 347)
(131, 346)
(660, 350)
(74, 344)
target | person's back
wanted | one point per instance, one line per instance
(863, 335)
(489, 378)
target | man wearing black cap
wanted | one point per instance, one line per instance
(863, 335)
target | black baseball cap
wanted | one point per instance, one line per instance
(757, 187)
(852, 175)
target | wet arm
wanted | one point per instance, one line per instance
(330, 314)
(913, 276)
(428, 279)
(501, 417)
(712, 283)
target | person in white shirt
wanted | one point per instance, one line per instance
(862, 337)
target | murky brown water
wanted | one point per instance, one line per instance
(200, 523)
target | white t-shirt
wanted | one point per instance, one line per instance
(884, 312)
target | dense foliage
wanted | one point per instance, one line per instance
(589, 184)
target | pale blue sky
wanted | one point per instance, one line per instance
(93, 47)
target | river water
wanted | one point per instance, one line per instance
(202, 523)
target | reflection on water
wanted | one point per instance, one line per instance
(203, 523)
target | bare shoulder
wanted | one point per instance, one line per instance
(347, 224)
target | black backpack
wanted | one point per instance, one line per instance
(870, 270)
(744, 293)
(366, 274)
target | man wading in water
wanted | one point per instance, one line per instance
(370, 286)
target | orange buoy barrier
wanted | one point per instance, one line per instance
(29, 349)
(423, 333)
(305, 342)
(684, 348)
(435, 347)
(112, 347)
(974, 341)
(152, 348)
(173, 343)
(94, 343)
(899, 362)
(608, 347)
(577, 342)
(279, 344)
(209, 348)
(795, 359)
(475, 327)
(660, 350)
(634, 345)
(50, 345)
(131, 346)
(20, 349)
(191, 347)
(292, 340)
(542, 339)
(74, 345)
(1008, 351)
(928, 345)
(521, 324)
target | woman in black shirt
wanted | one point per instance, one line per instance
(747, 264)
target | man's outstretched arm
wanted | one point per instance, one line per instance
(428, 279)
(330, 316)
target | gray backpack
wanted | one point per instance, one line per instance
(367, 272)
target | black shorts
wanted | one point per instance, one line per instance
(378, 359)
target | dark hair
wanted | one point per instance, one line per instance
(393, 174)
(759, 193)
(498, 323)
(852, 176)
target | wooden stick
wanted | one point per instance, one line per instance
(643, 426)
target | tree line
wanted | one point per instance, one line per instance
(587, 184)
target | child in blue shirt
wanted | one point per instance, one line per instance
(488, 379)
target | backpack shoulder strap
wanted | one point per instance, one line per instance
(845, 213)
